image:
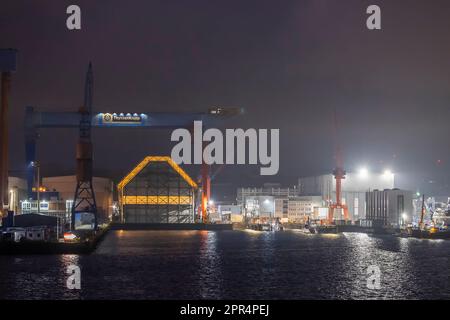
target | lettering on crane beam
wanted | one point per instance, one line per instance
(111, 118)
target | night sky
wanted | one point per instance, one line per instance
(288, 63)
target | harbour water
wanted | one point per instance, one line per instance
(236, 265)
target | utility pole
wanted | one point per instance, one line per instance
(7, 66)
(422, 212)
(38, 188)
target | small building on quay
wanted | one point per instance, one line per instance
(32, 226)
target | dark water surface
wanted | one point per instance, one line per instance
(236, 265)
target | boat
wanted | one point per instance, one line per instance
(431, 233)
(323, 229)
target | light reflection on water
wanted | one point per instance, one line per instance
(235, 265)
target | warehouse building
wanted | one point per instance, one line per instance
(157, 190)
(388, 208)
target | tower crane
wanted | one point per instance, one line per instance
(84, 199)
(339, 174)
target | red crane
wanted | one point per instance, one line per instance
(339, 174)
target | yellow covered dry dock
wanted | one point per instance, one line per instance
(157, 190)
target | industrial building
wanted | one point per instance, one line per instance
(31, 226)
(65, 186)
(230, 212)
(17, 192)
(283, 204)
(354, 188)
(56, 197)
(297, 209)
(260, 202)
(388, 208)
(157, 190)
(268, 189)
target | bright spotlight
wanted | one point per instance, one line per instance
(267, 201)
(211, 202)
(363, 173)
(388, 174)
(404, 216)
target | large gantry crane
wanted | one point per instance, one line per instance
(35, 120)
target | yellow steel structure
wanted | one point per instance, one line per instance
(149, 159)
(157, 200)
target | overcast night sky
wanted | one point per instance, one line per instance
(288, 63)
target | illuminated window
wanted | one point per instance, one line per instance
(43, 205)
(26, 206)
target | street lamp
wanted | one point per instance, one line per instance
(35, 164)
(404, 217)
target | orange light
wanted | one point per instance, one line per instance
(158, 200)
(68, 236)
